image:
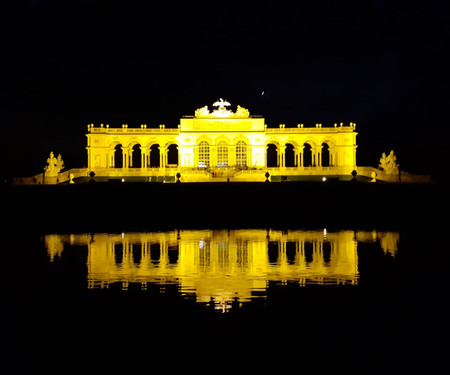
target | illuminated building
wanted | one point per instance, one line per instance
(222, 265)
(221, 145)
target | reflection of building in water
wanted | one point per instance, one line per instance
(222, 264)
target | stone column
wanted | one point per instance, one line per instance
(282, 156)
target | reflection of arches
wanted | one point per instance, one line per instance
(136, 156)
(222, 154)
(307, 155)
(289, 155)
(172, 154)
(326, 161)
(118, 156)
(203, 154)
(241, 154)
(272, 155)
(154, 156)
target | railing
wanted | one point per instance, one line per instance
(336, 129)
(135, 130)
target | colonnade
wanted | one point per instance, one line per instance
(316, 156)
(145, 157)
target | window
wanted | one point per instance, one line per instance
(203, 154)
(241, 154)
(222, 154)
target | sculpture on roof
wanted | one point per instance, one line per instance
(222, 111)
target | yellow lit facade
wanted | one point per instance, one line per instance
(222, 265)
(221, 145)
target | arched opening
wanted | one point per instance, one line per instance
(241, 154)
(308, 252)
(289, 155)
(272, 156)
(222, 154)
(325, 155)
(326, 251)
(136, 156)
(155, 253)
(307, 155)
(272, 251)
(118, 156)
(172, 155)
(203, 154)
(154, 156)
(118, 253)
(291, 251)
(137, 253)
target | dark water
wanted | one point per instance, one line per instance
(360, 301)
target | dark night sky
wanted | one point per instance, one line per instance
(381, 64)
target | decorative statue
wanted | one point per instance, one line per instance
(202, 112)
(222, 111)
(55, 165)
(242, 112)
(374, 177)
(389, 163)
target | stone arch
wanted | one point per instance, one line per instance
(290, 155)
(118, 156)
(222, 138)
(241, 138)
(154, 157)
(136, 156)
(307, 155)
(272, 151)
(325, 155)
(172, 154)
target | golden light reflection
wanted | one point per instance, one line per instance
(222, 265)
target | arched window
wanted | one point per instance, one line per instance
(203, 154)
(241, 154)
(222, 154)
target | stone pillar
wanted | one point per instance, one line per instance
(213, 155)
(265, 156)
(125, 157)
(282, 156)
(162, 157)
